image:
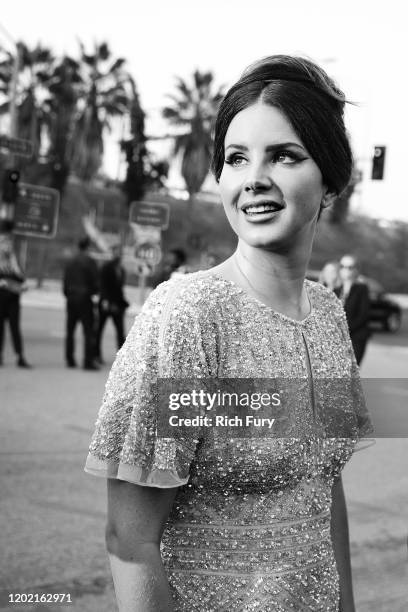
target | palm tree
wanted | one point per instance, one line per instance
(144, 172)
(135, 150)
(192, 111)
(63, 87)
(103, 94)
(35, 67)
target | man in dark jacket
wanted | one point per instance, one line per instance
(356, 301)
(80, 285)
(112, 303)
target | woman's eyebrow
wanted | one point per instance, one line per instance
(272, 147)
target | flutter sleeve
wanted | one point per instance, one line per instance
(164, 342)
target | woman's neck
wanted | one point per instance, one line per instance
(277, 280)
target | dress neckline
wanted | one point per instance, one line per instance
(242, 291)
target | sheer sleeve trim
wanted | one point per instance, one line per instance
(161, 478)
(164, 342)
(363, 443)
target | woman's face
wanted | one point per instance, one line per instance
(270, 186)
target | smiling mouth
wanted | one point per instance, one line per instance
(259, 208)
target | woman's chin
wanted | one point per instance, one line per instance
(266, 237)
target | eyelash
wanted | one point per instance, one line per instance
(233, 157)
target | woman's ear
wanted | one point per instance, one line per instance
(327, 199)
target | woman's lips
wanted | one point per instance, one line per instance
(262, 210)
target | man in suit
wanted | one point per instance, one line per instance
(112, 303)
(356, 301)
(80, 285)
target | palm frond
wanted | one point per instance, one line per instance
(116, 89)
(104, 51)
(42, 55)
(184, 89)
(90, 60)
(181, 103)
(24, 55)
(71, 63)
(115, 109)
(174, 116)
(42, 76)
(117, 64)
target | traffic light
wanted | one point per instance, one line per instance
(377, 173)
(10, 186)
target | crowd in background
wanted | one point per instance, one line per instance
(94, 296)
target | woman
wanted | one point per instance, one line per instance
(12, 284)
(210, 521)
(330, 275)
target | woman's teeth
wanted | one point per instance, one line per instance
(260, 208)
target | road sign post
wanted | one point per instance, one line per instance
(36, 211)
(147, 220)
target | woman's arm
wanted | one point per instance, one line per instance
(341, 545)
(136, 519)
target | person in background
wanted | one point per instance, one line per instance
(80, 285)
(173, 262)
(112, 302)
(329, 275)
(12, 284)
(356, 302)
(208, 260)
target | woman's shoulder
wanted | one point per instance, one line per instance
(197, 292)
(324, 298)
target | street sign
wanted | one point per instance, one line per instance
(155, 214)
(148, 252)
(16, 146)
(36, 211)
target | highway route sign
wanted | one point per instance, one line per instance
(16, 146)
(149, 252)
(36, 211)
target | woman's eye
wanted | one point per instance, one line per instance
(235, 159)
(286, 157)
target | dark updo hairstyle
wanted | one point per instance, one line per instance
(311, 101)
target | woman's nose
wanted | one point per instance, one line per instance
(258, 180)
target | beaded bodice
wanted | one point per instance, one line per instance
(250, 525)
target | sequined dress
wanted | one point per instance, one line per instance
(250, 526)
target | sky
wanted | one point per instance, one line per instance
(362, 44)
